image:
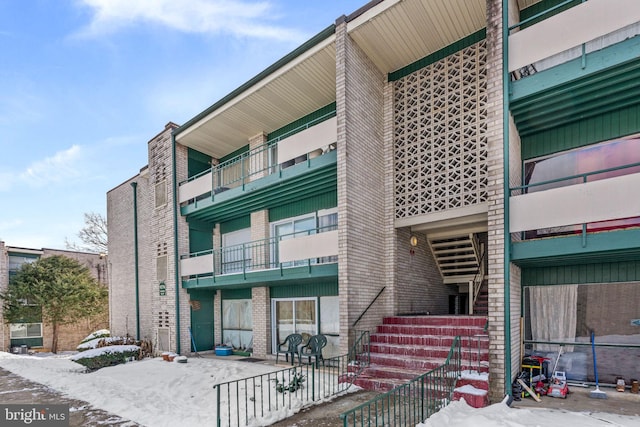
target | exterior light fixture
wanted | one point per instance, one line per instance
(413, 241)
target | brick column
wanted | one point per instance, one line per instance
(495, 190)
(261, 306)
(496, 215)
(361, 166)
(259, 157)
(217, 318)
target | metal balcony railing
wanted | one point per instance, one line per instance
(258, 255)
(255, 163)
(579, 179)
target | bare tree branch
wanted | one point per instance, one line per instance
(93, 234)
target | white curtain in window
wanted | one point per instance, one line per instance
(553, 311)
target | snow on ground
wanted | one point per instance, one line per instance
(157, 393)
(459, 414)
(151, 392)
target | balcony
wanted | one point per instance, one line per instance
(584, 72)
(278, 158)
(576, 27)
(300, 256)
(591, 214)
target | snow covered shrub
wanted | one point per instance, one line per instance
(107, 356)
(97, 334)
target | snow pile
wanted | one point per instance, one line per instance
(101, 333)
(93, 343)
(104, 350)
(469, 389)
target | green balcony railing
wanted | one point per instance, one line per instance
(411, 403)
(252, 401)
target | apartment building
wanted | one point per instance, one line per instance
(37, 335)
(415, 157)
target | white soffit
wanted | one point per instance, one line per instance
(397, 33)
(298, 88)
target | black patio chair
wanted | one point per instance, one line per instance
(289, 347)
(313, 348)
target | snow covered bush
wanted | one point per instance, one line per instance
(102, 357)
(102, 333)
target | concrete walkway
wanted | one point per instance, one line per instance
(578, 400)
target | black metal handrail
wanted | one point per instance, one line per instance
(368, 307)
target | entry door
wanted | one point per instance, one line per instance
(202, 322)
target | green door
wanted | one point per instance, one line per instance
(202, 320)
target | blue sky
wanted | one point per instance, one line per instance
(84, 84)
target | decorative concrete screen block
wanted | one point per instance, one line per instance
(440, 135)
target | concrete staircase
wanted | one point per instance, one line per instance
(405, 347)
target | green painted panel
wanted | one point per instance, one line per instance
(296, 126)
(542, 6)
(311, 204)
(585, 131)
(304, 275)
(235, 224)
(202, 320)
(200, 240)
(602, 247)
(235, 153)
(320, 288)
(197, 162)
(438, 55)
(608, 272)
(236, 293)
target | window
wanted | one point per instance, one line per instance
(327, 221)
(606, 155)
(305, 225)
(581, 165)
(17, 261)
(236, 251)
(237, 322)
(25, 330)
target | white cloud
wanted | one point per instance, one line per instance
(63, 165)
(235, 17)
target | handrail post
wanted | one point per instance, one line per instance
(218, 419)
